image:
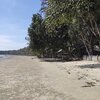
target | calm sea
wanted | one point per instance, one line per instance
(3, 56)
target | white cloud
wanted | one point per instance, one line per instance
(12, 36)
(4, 39)
(8, 43)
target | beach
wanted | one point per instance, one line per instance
(30, 78)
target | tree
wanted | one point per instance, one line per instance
(78, 15)
(36, 33)
(70, 25)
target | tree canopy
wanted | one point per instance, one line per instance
(70, 25)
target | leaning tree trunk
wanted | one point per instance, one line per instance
(90, 52)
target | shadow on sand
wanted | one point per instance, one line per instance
(90, 66)
(52, 60)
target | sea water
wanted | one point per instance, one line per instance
(3, 56)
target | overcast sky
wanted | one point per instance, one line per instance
(15, 17)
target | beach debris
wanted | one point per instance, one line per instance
(89, 84)
(83, 76)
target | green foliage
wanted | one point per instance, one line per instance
(70, 25)
(36, 33)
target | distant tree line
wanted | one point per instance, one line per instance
(69, 26)
(23, 51)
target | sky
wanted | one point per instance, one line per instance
(15, 18)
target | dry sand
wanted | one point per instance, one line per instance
(28, 78)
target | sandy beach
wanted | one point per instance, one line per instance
(30, 78)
